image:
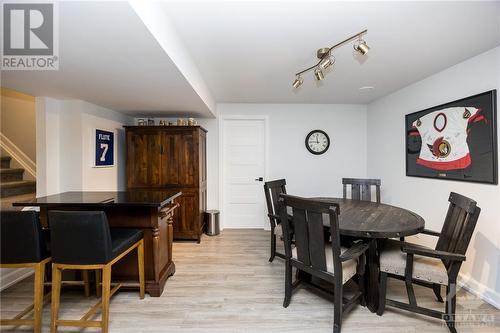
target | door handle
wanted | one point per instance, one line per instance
(260, 179)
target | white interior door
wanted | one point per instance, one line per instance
(243, 164)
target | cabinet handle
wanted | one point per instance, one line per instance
(161, 149)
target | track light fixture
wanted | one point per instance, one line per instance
(361, 47)
(319, 74)
(326, 60)
(298, 82)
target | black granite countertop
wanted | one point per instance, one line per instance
(148, 198)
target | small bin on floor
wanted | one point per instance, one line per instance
(212, 222)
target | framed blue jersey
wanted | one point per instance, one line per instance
(104, 148)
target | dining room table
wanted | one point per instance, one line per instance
(374, 222)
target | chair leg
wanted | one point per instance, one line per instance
(337, 307)
(411, 293)
(288, 284)
(38, 297)
(361, 281)
(273, 245)
(98, 280)
(437, 291)
(56, 291)
(382, 293)
(140, 266)
(451, 302)
(86, 282)
(106, 287)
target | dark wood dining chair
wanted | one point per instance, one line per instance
(272, 190)
(316, 256)
(431, 268)
(361, 189)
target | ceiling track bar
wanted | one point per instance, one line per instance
(359, 34)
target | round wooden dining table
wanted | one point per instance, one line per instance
(374, 222)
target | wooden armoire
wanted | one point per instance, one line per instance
(173, 157)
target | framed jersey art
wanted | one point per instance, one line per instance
(456, 140)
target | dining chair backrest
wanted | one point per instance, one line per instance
(459, 225)
(361, 189)
(273, 189)
(80, 237)
(22, 239)
(307, 216)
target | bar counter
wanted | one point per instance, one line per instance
(151, 210)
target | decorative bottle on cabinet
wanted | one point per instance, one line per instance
(173, 157)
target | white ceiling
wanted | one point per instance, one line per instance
(249, 52)
(108, 57)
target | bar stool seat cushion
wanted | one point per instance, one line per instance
(122, 239)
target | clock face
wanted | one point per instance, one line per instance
(317, 142)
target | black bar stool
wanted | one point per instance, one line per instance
(23, 246)
(83, 240)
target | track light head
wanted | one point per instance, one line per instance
(327, 62)
(318, 73)
(298, 82)
(361, 47)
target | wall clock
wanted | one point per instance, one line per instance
(317, 142)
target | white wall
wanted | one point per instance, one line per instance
(288, 157)
(65, 147)
(308, 174)
(428, 197)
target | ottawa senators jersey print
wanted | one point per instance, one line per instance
(444, 137)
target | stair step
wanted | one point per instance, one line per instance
(17, 188)
(6, 203)
(11, 175)
(5, 161)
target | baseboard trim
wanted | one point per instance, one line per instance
(478, 289)
(14, 277)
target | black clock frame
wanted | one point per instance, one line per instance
(307, 142)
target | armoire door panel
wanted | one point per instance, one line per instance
(187, 160)
(170, 159)
(154, 160)
(143, 159)
(187, 213)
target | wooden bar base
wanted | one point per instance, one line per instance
(157, 224)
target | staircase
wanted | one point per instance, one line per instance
(12, 185)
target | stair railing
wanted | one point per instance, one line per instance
(18, 155)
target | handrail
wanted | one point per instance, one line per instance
(17, 154)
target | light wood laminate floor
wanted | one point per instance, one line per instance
(226, 284)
